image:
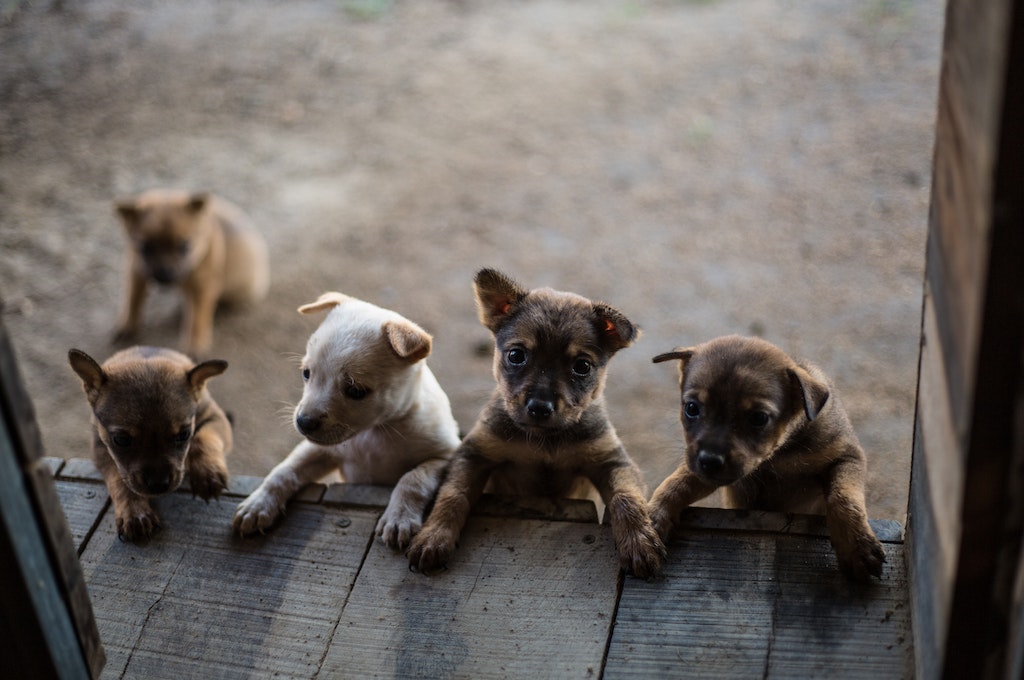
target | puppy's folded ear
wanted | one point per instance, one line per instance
(616, 331)
(496, 296)
(328, 300)
(684, 354)
(89, 371)
(813, 393)
(409, 341)
(200, 373)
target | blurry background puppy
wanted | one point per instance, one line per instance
(545, 430)
(198, 242)
(372, 410)
(774, 434)
(153, 421)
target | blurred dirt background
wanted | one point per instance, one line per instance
(708, 167)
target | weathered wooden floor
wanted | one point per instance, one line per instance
(534, 591)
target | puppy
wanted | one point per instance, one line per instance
(545, 430)
(153, 421)
(774, 434)
(198, 242)
(372, 410)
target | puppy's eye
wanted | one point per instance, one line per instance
(356, 392)
(184, 434)
(516, 356)
(305, 374)
(692, 410)
(759, 419)
(121, 439)
(581, 367)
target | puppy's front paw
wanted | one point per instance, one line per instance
(430, 549)
(258, 512)
(662, 522)
(209, 483)
(137, 523)
(641, 550)
(862, 558)
(396, 529)
(642, 554)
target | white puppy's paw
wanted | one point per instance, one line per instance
(396, 527)
(258, 512)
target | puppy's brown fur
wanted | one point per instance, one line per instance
(198, 242)
(545, 430)
(774, 434)
(153, 420)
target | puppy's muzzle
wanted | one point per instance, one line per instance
(711, 463)
(157, 480)
(539, 410)
(307, 424)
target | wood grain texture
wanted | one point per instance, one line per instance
(83, 507)
(757, 606)
(198, 602)
(520, 598)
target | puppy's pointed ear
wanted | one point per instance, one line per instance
(129, 212)
(200, 373)
(813, 393)
(616, 331)
(92, 375)
(496, 297)
(683, 354)
(198, 201)
(409, 341)
(328, 300)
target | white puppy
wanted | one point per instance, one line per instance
(370, 409)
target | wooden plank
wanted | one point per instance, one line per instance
(199, 602)
(521, 598)
(83, 504)
(735, 605)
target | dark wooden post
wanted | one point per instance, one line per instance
(46, 620)
(967, 492)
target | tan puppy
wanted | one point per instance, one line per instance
(774, 434)
(198, 242)
(545, 430)
(153, 421)
(372, 410)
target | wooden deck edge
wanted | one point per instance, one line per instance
(568, 510)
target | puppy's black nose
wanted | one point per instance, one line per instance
(163, 276)
(306, 423)
(539, 409)
(157, 481)
(710, 462)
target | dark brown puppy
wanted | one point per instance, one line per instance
(545, 430)
(774, 434)
(153, 420)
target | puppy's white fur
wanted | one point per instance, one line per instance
(372, 410)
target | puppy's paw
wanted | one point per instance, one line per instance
(641, 550)
(861, 559)
(396, 529)
(662, 522)
(208, 483)
(136, 524)
(430, 549)
(642, 554)
(258, 512)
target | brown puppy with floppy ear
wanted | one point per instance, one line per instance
(774, 434)
(545, 430)
(153, 420)
(200, 243)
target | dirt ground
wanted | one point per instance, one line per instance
(708, 167)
